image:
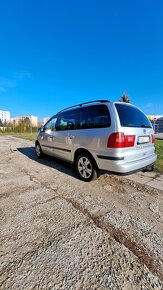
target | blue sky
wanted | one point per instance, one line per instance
(56, 53)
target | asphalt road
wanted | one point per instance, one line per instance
(57, 232)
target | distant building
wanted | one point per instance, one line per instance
(17, 120)
(46, 119)
(157, 122)
(158, 125)
(154, 117)
(4, 116)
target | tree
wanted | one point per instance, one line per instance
(24, 125)
(27, 122)
(125, 99)
(1, 124)
(5, 123)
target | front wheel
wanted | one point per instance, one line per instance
(38, 150)
(86, 168)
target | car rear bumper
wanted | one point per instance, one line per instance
(124, 167)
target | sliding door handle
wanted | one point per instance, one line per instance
(71, 136)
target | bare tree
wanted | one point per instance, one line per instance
(1, 124)
(27, 122)
(24, 124)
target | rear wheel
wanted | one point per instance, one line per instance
(38, 150)
(86, 168)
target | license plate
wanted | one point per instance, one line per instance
(143, 139)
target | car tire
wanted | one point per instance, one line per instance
(86, 168)
(38, 149)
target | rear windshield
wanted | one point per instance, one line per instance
(132, 117)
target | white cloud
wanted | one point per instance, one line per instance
(22, 75)
(8, 83)
(13, 82)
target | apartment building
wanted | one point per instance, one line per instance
(4, 116)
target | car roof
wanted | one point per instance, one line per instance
(84, 104)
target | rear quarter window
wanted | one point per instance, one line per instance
(132, 117)
(95, 117)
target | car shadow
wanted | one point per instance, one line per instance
(49, 161)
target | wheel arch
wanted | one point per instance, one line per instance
(80, 151)
(36, 142)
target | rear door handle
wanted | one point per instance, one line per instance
(71, 136)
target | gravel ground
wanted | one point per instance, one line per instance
(58, 232)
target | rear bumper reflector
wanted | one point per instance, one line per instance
(110, 157)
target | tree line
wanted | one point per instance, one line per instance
(23, 126)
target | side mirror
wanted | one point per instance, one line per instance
(40, 130)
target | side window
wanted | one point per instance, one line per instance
(68, 120)
(95, 117)
(51, 124)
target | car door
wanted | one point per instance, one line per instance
(46, 136)
(64, 135)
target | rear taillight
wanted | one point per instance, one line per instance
(153, 138)
(129, 140)
(120, 140)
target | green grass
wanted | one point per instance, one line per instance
(26, 136)
(159, 151)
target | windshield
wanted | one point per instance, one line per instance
(132, 117)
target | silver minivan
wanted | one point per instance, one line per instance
(99, 136)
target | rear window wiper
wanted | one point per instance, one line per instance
(145, 126)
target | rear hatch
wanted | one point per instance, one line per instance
(136, 127)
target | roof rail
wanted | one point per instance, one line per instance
(80, 105)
